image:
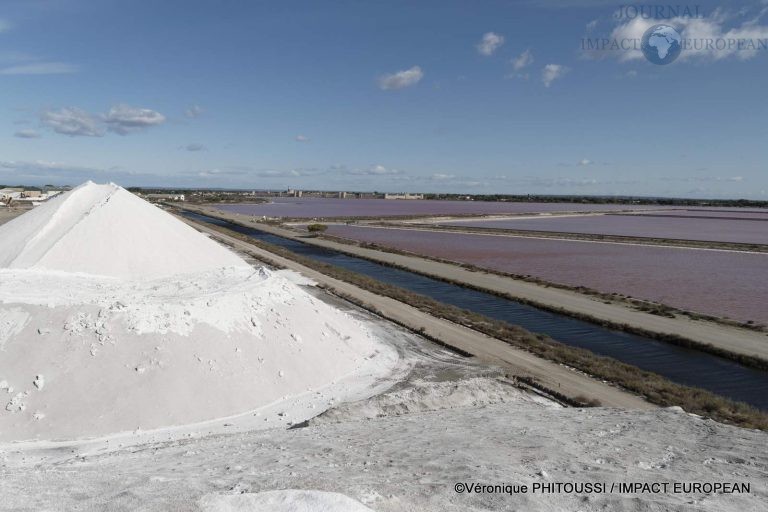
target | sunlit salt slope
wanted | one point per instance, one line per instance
(116, 316)
(106, 230)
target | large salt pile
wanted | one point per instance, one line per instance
(116, 316)
(106, 230)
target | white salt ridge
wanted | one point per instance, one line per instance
(106, 230)
(116, 316)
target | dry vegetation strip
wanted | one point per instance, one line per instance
(655, 388)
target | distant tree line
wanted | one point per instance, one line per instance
(662, 201)
(214, 195)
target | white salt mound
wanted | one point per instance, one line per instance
(149, 324)
(106, 230)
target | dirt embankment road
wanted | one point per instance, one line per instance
(734, 339)
(7, 214)
(485, 348)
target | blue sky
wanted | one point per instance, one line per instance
(447, 96)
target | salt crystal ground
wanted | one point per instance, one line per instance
(394, 422)
(291, 500)
(405, 451)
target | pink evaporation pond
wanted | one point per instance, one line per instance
(712, 214)
(680, 228)
(719, 283)
(318, 207)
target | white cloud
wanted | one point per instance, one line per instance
(24, 63)
(124, 119)
(584, 162)
(45, 171)
(14, 57)
(556, 182)
(632, 30)
(374, 170)
(72, 121)
(193, 111)
(27, 134)
(215, 173)
(40, 68)
(445, 181)
(719, 28)
(336, 172)
(552, 72)
(42, 171)
(591, 25)
(705, 179)
(401, 79)
(301, 138)
(121, 119)
(380, 169)
(291, 173)
(522, 60)
(195, 147)
(490, 43)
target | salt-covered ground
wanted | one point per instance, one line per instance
(405, 451)
(447, 420)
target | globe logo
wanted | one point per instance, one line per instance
(661, 44)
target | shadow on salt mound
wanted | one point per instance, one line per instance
(288, 500)
(423, 396)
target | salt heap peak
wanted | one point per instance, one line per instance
(106, 230)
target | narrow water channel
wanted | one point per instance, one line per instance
(685, 366)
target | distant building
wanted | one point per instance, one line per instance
(342, 195)
(403, 196)
(166, 197)
(9, 194)
(19, 196)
